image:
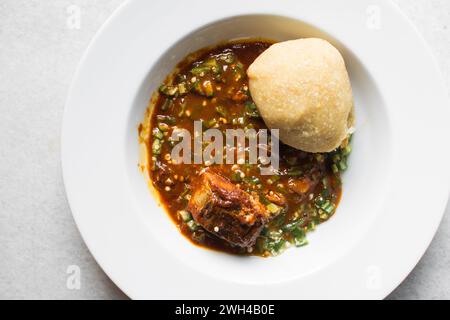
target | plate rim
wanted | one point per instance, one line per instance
(64, 146)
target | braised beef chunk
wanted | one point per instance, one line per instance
(226, 211)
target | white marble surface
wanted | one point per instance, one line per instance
(38, 237)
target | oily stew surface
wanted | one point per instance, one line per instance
(212, 86)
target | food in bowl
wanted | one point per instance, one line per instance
(234, 207)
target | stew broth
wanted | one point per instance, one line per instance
(212, 86)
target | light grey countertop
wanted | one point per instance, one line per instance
(40, 47)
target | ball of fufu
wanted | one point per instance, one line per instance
(302, 88)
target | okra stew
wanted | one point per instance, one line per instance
(211, 85)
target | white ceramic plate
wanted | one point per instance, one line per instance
(395, 190)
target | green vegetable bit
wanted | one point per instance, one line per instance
(200, 70)
(274, 235)
(239, 120)
(228, 57)
(273, 208)
(252, 180)
(342, 165)
(295, 171)
(236, 177)
(275, 247)
(204, 89)
(334, 168)
(182, 109)
(251, 110)
(192, 225)
(299, 237)
(263, 199)
(210, 65)
(347, 150)
(221, 110)
(182, 88)
(157, 133)
(163, 127)
(166, 119)
(340, 157)
(290, 226)
(210, 123)
(156, 146)
(169, 91)
(185, 215)
(167, 104)
(213, 65)
(239, 65)
(328, 207)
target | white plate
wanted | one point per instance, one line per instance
(395, 190)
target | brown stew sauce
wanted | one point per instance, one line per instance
(211, 85)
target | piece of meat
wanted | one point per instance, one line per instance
(276, 198)
(300, 186)
(303, 186)
(225, 210)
